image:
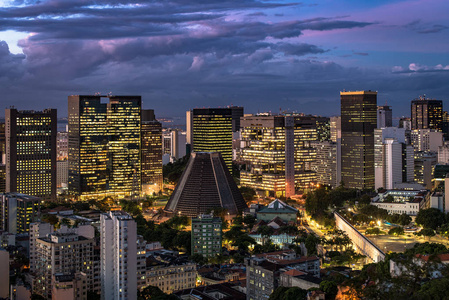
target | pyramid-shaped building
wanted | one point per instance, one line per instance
(205, 184)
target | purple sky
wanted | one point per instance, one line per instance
(263, 55)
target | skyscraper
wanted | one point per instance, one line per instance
(31, 152)
(384, 116)
(358, 121)
(393, 158)
(151, 153)
(104, 146)
(118, 240)
(18, 211)
(212, 132)
(427, 114)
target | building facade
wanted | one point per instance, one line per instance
(104, 146)
(18, 211)
(427, 114)
(172, 277)
(426, 139)
(384, 116)
(327, 163)
(118, 242)
(152, 178)
(212, 132)
(206, 235)
(31, 152)
(358, 121)
(37, 230)
(61, 253)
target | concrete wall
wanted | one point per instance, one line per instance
(362, 244)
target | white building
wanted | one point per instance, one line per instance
(118, 240)
(327, 164)
(443, 154)
(426, 139)
(62, 145)
(335, 124)
(393, 159)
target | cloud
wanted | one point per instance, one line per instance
(425, 27)
(418, 68)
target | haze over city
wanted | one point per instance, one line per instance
(263, 55)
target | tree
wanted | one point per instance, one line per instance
(405, 219)
(373, 231)
(396, 231)
(329, 287)
(52, 219)
(389, 199)
(265, 232)
(311, 243)
(434, 289)
(249, 220)
(427, 248)
(285, 293)
(430, 218)
(427, 232)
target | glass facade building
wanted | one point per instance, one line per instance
(358, 121)
(212, 132)
(104, 146)
(427, 114)
(31, 152)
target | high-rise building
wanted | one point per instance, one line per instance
(2, 178)
(2, 142)
(327, 163)
(237, 113)
(18, 211)
(393, 157)
(61, 253)
(212, 132)
(424, 166)
(443, 154)
(31, 152)
(426, 139)
(4, 274)
(72, 286)
(206, 235)
(104, 146)
(206, 184)
(152, 178)
(62, 145)
(335, 128)
(358, 121)
(118, 240)
(37, 230)
(384, 116)
(427, 114)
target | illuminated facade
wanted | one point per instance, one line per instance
(31, 152)
(206, 235)
(152, 178)
(358, 121)
(212, 132)
(327, 163)
(18, 211)
(104, 146)
(427, 114)
(277, 152)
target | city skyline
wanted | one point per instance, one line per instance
(260, 55)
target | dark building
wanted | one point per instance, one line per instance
(384, 116)
(427, 114)
(358, 121)
(104, 146)
(212, 132)
(206, 235)
(2, 141)
(204, 185)
(31, 152)
(237, 113)
(151, 153)
(17, 212)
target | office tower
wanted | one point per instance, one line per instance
(31, 152)
(4, 274)
(323, 127)
(72, 286)
(237, 113)
(178, 144)
(152, 178)
(405, 123)
(37, 230)
(62, 173)
(393, 157)
(118, 240)
(189, 127)
(426, 139)
(2, 142)
(335, 128)
(424, 165)
(384, 116)
(18, 211)
(166, 142)
(206, 235)
(327, 163)
(62, 145)
(204, 185)
(358, 121)
(104, 146)
(61, 253)
(427, 114)
(2, 178)
(212, 132)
